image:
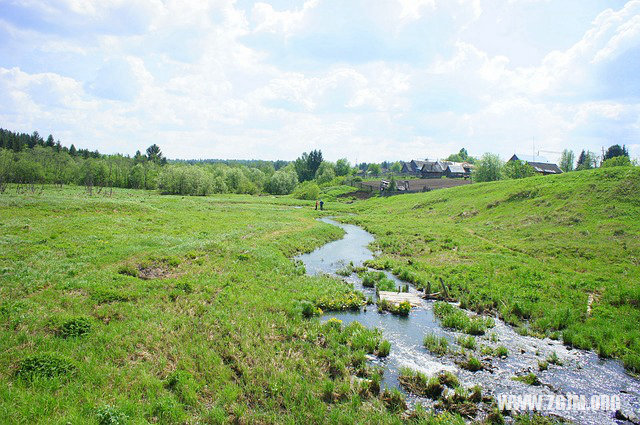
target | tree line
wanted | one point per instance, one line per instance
(30, 159)
(490, 167)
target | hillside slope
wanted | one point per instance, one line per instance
(554, 255)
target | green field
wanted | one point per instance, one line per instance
(167, 309)
(537, 251)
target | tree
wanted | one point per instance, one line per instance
(615, 151)
(586, 161)
(282, 182)
(488, 168)
(307, 165)
(154, 154)
(396, 167)
(343, 167)
(72, 150)
(566, 160)
(462, 156)
(50, 142)
(374, 169)
(393, 185)
(325, 173)
(517, 170)
(315, 159)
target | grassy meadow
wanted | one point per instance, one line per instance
(141, 308)
(555, 256)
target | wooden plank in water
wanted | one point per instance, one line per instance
(398, 297)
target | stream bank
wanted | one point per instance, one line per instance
(581, 372)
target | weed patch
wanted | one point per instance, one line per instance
(44, 366)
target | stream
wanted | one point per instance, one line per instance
(582, 372)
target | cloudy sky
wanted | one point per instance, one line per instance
(367, 80)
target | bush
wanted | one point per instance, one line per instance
(109, 415)
(74, 327)
(617, 161)
(44, 366)
(308, 190)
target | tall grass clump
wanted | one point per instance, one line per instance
(435, 344)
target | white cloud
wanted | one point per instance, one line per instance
(185, 76)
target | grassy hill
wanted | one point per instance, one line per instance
(554, 255)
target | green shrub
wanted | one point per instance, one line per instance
(75, 327)
(44, 366)
(616, 161)
(308, 190)
(543, 365)
(109, 415)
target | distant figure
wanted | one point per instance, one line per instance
(321, 205)
(316, 205)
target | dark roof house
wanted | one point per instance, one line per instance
(432, 170)
(539, 167)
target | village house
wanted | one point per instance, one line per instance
(432, 170)
(540, 167)
(412, 167)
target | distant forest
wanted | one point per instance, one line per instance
(29, 159)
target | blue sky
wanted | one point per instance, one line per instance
(365, 80)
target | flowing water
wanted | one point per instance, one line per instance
(581, 372)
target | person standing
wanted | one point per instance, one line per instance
(321, 205)
(316, 205)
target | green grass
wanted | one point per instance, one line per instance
(532, 250)
(529, 379)
(214, 332)
(436, 345)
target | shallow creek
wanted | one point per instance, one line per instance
(581, 372)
